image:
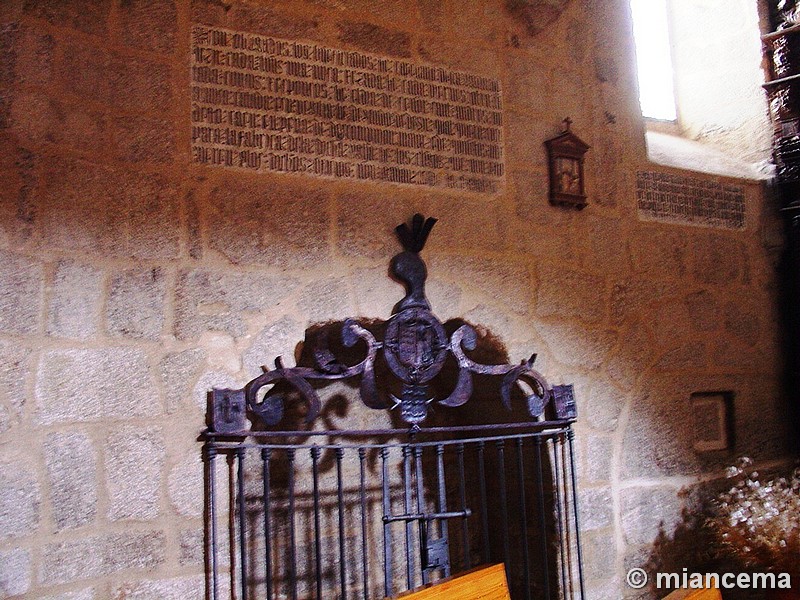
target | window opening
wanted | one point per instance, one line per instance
(654, 60)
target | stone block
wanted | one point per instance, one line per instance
(83, 206)
(658, 253)
(84, 594)
(610, 179)
(20, 500)
(276, 339)
(718, 260)
(142, 140)
(526, 146)
(13, 369)
(376, 39)
(9, 33)
(528, 82)
(499, 281)
(179, 371)
(596, 508)
(574, 346)
(209, 300)
(95, 384)
(609, 250)
(192, 547)
(78, 208)
(466, 224)
(19, 168)
(704, 310)
(633, 355)
(134, 459)
(45, 120)
(135, 305)
(101, 555)
(743, 322)
(115, 79)
(255, 19)
(598, 455)
(662, 414)
(530, 189)
(682, 357)
(445, 298)
(494, 323)
(28, 55)
(572, 294)
(366, 223)
(176, 588)
(376, 293)
(546, 245)
(265, 222)
(648, 512)
(21, 288)
(608, 588)
(15, 572)
(432, 14)
(72, 472)
(76, 297)
(149, 24)
(599, 554)
(186, 486)
(602, 407)
(632, 298)
(90, 16)
(152, 217)
(222, 351)
(326, 300)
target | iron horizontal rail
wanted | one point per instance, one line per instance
(535, 425)
(428, 516)
(226, 445)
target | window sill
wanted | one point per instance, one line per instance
(680, 153)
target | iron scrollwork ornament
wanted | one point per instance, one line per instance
(415, 348)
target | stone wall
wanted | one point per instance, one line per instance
(132, 281)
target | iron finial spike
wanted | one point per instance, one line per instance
(413, 238)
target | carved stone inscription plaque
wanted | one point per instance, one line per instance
(267, 104)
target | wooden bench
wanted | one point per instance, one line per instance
(705, 594)
(481, 583)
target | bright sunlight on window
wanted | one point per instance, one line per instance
(656, 92)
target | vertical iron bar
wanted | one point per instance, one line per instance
(292, 533)
(501, 472)
(340, 506)
(568, 541)
(484, 507)
(443, 526)
(211, 454)
(559, 512)
(462, 488)
(542, 518)
(317, 544)
(422, 526)
(265, 458)
(242, 522)
(362, 453)
(523, 522)
(409, 525)
(570, 436)
(387, 527)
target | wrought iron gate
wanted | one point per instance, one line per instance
(368, 513)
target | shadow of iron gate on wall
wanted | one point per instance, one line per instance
(296, 513)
